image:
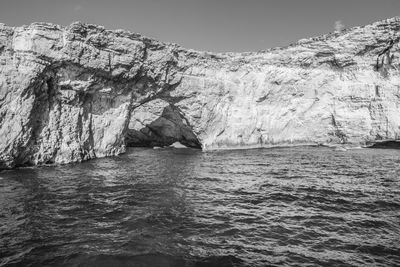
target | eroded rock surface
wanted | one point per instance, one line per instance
(73, 93)
(66, 94)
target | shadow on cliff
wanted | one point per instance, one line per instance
(170, 127)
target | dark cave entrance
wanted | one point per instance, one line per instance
(159, 124)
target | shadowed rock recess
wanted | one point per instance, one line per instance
(74, 93)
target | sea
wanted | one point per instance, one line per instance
(297, 206)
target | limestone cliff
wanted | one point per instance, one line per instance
(80, 92)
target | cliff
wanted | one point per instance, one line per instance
(81, 92)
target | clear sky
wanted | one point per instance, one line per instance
(213, 25)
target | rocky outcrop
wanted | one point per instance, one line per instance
(80, 92)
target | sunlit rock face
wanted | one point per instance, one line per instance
(80, 92)
(66, 94)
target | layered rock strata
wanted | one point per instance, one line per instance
(74, 93)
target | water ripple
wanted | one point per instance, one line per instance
(263, 207)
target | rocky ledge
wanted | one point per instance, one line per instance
(74, 93)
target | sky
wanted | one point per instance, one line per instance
(209, 25)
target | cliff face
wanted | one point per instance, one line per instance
(80, 92)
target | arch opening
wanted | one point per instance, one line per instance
(159, 124)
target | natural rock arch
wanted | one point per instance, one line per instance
(80, 92)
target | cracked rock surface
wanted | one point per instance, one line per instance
(74, 93)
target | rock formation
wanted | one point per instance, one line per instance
(81, 92)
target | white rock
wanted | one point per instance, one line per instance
(177, 145)
(81, 92)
